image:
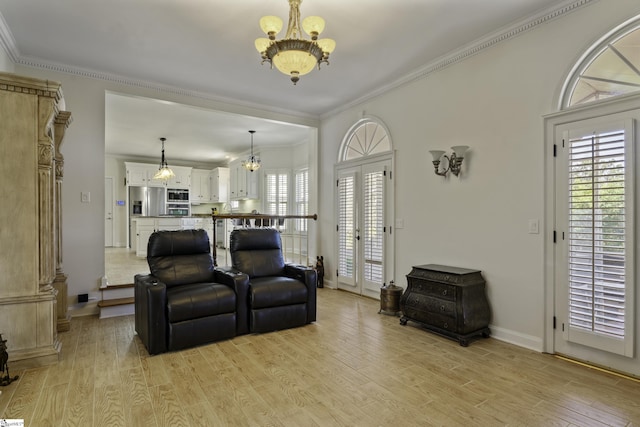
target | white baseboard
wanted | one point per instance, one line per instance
(117, 310)
(512, 337)
(84, 309)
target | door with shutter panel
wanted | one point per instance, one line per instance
(595, 235)
(363, 230)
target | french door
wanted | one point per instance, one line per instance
(595, 235)
(364, 244)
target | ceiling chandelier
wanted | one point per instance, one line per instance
(253, 162)
(164, 173)
(294, 55)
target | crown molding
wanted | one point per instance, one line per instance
(118, 79)
(8, 43)
(469, 50)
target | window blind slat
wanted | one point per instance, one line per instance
(597, 224)
(346, 188)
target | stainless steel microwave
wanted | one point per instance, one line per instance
(177, 195)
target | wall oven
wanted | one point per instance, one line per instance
(177, 195)
(178, 209)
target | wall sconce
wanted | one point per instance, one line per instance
(454, 162)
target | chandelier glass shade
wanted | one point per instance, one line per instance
(253, 162)
(294, 55)
(164, 172)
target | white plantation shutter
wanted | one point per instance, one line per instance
(302, 198)
(346, 228)
(276, 192)
(600, 239)
(373, 235)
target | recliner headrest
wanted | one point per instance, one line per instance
(255, 239)
(179, 242)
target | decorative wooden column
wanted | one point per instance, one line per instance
(62, 122)
(29, 229)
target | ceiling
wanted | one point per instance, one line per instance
(206, 47)
(134, 125)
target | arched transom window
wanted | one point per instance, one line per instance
(610, 68)
(365, 138)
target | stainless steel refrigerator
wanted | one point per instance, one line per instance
(147, 201)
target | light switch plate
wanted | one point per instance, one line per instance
(534, 226)
(85, 197)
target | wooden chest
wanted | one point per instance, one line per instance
(450, 301)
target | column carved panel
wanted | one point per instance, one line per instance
(30, 218)
(62, 122)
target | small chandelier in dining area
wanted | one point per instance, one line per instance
(253, 162)
(294, 55)
(164, 172)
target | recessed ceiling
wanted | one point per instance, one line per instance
(134, 126)
(207, 47)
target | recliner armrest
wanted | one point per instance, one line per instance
(303, 273)
(309, 277)
(239, 282)
(150, 312)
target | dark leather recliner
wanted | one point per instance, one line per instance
(281, 295)
(184, 302)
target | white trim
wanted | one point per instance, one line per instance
(513, 337)
(7, 42)
(514, 30)
(347, 138)
(469, 50)
(113, 199)
(590, 55)
(605, 107)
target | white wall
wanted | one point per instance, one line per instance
(494, 102)
(6, 65)
(84, 169)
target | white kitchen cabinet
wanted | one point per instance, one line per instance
(207, 225)
(141, 174)
(182, 180)
(145, 227)
(142, 239)
(199, 223)
(168, 224)
(200, 191)
(219, 185)
(244, 184)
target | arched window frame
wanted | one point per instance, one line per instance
(590, 55)
(352, 132)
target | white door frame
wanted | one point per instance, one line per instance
(389, 250)
(551, 123)
(109, 203)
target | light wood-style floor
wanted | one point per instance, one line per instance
(353, 367)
